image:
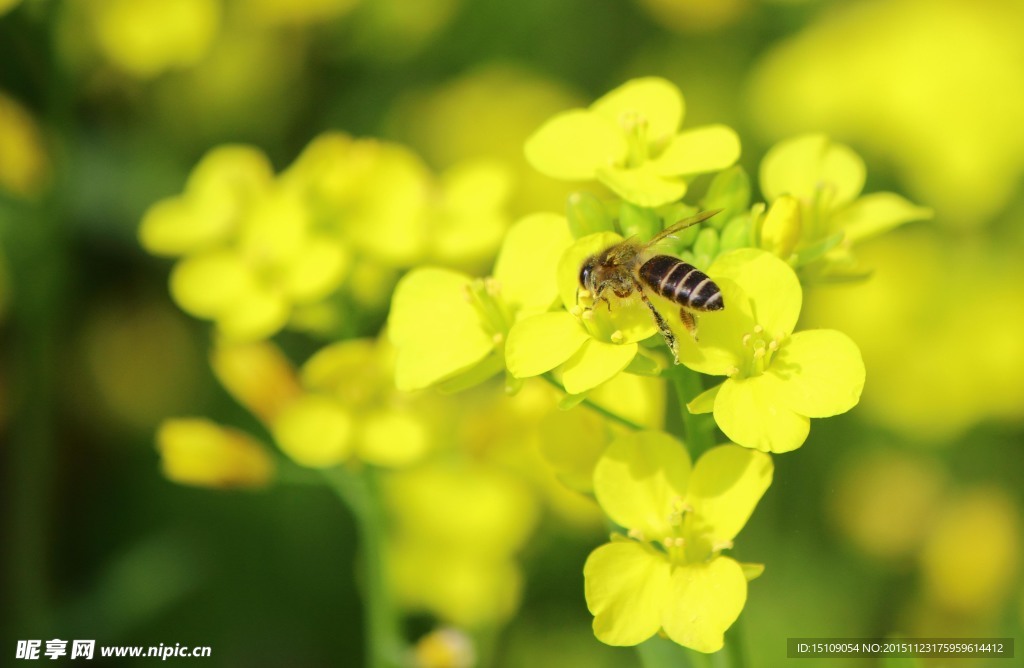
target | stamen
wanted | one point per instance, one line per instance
(493, 286)
(722, 545)
(758, 329)
(636, 534)
(617, 336)
(733, 372)
(773, 346)
(746, 340)
(759, 353)
(584, 293)
(576, 310)
(588, 315)
(467, 293)
(498, 338)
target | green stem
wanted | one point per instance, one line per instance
(625, 422)
(687, 385)
(698, 434)
(384, 645)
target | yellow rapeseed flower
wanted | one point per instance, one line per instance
(670, 574)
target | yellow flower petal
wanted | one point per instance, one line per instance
(230, 176)
(436, 331)
(639, 479)
(542, 342)
(255, 314)
(817, 373)
(704, 600)
(595, 363)
(876, 213)
(749, 413)
(204, 285)
(317, 270)
(770, 284)
(314, 431)
(642, 185)
(574, 144)
(179, 225)
(705, 149)
(627, 587)
(810, 167)
(528, 260)
(654, 100)
(725, 486)
(392, 438)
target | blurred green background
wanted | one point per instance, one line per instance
(903, 516)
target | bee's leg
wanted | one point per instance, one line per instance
(666, 331)
(690, 322)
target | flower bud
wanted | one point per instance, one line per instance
(587, 215)
(257, 375)
(780, 227)
(199, 452)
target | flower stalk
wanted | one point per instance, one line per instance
(384, 645)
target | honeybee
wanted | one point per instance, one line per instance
(625, 268)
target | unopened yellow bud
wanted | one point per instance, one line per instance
(257, 375)
(199, 452)
(780, 230)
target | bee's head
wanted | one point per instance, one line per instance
(587, 273)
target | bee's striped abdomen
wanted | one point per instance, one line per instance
(681, 282)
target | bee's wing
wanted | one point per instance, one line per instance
(681, 225)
